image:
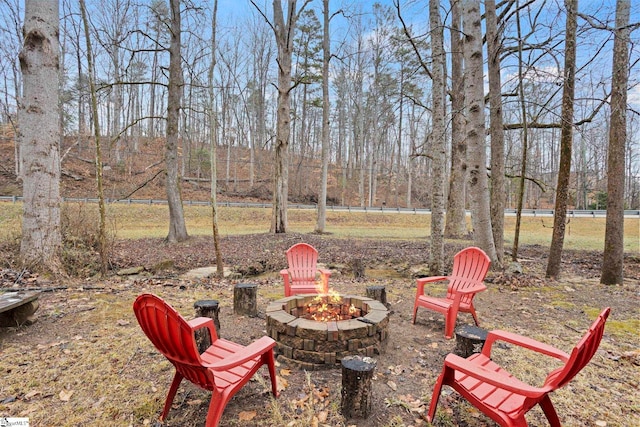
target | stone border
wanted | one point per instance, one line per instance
(315, 345)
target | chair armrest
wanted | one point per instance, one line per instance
(324, 272)
(424, 280)
(204, 322)
(284, 272)
(524, 342)
(472, 289)
(257, 348)
(496, 379)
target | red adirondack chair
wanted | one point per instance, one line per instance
(500, 395)
(300, 277)
(224, 368)
(470, 266)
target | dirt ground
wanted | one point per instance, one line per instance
(86, 362)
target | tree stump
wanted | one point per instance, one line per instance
(469, 339)
(378, 293)
(357, 393)
(206, 308)
(244, 299)
(357, 265)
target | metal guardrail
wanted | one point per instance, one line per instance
(629, 213)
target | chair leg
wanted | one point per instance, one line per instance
(475, 316)
(550, 411)
(434, 397)
(271, 364)
(177, 378)
(216, 408)
(449, 323)
(415, 312)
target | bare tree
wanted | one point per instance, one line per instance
(39, 137)
(566, 141)
(326, 107)
(613, 259)
(284, 35)
(177, 227)
(474, 100)
(213, 122)
(102, 234)
(436, 259)
(496, 128)
(456, 221)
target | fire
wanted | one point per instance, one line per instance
(330, 307)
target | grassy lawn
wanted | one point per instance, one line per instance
(138, 221)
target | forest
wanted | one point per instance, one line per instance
(444, 105)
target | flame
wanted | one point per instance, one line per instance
(326, 309)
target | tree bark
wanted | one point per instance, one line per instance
(177, 227)
(436, 260)
(475, 130)
(496, 129)
(39, 137)
(612, 263)
(566, 141)
(456, 221)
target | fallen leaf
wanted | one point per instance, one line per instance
(122, 322)
(434, 345)
(392, 385)
(282, 383)
(285, 372)
(31, 394)
(65, 395)
(601, 423)
(314, 421)
(246, 415)
(322, 416)
(194, 402)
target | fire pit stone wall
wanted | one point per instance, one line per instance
(312, 345)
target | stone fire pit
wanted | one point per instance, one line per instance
(359, 328)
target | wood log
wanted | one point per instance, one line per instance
(206, 308)
(245, 299)
(378, 293)
(357, 392)
(469, 339)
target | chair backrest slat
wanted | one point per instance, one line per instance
(581, 354)
(303, 261)
(172, 336)
(470, 267)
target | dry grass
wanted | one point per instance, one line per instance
(138, 221)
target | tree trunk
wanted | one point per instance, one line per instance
(456, 221)
(326, 108)
(436, 260)
(566, 141)
(39, 137)
(177, 227)
(475, 130)
(102, 229)
(284, 40)
(612, 263)
(213, 121)
(496, 129)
